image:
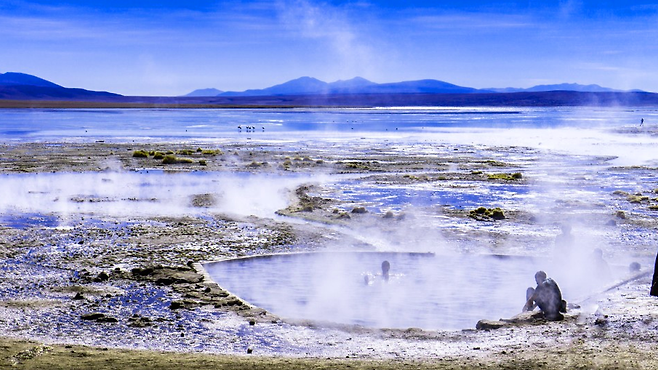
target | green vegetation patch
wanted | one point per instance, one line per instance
(633, 198)
(211, 152)
(255, 164)
(357, 166)
(140, 154)
(637, 198)
(172, 159)
(505, 176)
(416, 178)
(495, 163)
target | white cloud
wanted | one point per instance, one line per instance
(349, 44)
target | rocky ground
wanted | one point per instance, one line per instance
(111, 292)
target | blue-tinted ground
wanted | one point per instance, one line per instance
(593, 170)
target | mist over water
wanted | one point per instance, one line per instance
(426, 291)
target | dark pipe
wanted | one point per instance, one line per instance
(654, 284)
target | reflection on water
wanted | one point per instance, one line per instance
(588, 131)
(26, 220)
(424, 290)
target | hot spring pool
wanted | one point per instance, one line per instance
(424, 290)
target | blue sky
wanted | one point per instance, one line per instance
(138, 47)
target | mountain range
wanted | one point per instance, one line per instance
(359, 85)
(20, 90)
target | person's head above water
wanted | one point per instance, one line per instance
(385, 267)
(598, 253)
(540, 276)
(634, 267)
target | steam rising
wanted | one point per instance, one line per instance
(133, 194)
(570, 182)
(432, 292)
(332, 25)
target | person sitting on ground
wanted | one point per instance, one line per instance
(547, 296)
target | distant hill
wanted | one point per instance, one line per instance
(557, 87)
(17, 79)
(204, 92)
(357, 85)
(21, 86)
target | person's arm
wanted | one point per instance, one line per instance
(530, 299)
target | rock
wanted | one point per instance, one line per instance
(137, 321)
(600, 321)
(167, 275)
(185, 303)
(203, 200)
(490, 325)
(528, 317)
(359, 210)
(524, 318)
(234, 302)
(92, 316)
(107, 319)
(98, 317)
(142, 271)
(78, 296)
(178, 277)
(175, 305)
(103, 276)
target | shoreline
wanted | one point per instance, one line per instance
(149, 295)
(517, 99)
(55, 104)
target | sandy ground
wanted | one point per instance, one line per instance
(111, 292)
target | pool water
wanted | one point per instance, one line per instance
(423, 290)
